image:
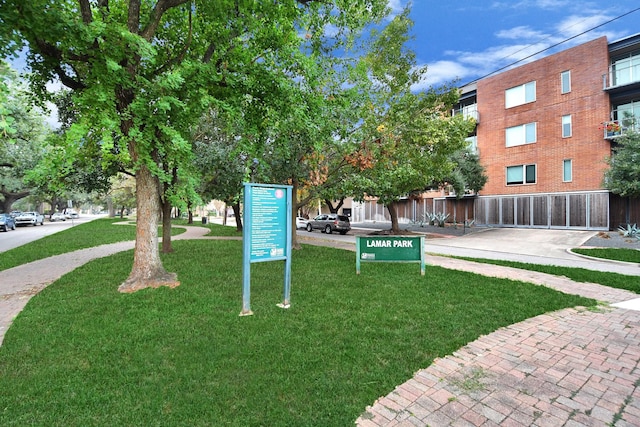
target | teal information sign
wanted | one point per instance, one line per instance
(390, 249)
(266, 234)
(268, 223)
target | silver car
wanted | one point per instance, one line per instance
(328, 223)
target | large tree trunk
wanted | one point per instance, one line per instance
(147, 271)
(393, 213)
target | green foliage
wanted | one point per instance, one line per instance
(23, 131)
(143, 72)
(623, 176)
(468, 173)
(408, 138)
(185, 355)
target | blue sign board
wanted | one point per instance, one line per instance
(266, 234)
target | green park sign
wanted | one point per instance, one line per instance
(390, 249)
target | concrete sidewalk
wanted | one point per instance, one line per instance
(574, 367)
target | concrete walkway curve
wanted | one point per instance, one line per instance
(574, 367)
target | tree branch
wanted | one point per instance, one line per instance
(182, 54)
(156, 15)
(85, 11)
(50, 51)
(133, 18)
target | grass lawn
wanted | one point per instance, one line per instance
(86, 235)
(618, 254)
(82, 354)
(613, 280)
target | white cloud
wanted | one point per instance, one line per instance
(521, 32)
(441, 72)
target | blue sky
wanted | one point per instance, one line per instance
(468, 39)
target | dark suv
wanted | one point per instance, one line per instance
(328, 223)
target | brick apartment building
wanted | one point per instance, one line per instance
(544, 131)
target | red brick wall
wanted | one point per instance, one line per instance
(587, 103)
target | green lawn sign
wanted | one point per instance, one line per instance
(390, 249)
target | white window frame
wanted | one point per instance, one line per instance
(523, 174)
(567, 170)
(519, 95)
(567, 127)
(521, 134)
(565, 82)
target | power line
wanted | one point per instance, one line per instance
(553, 45)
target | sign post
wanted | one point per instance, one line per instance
(267, 235)
(390, 249)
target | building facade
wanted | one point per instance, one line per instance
(544, 132)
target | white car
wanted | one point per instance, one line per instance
(301, 222)
(57, 216)
(30, 218)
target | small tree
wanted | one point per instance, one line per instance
(623, 176)
(408, 139)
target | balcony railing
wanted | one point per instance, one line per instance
(468, 113)
(613, 129)
(621, 74)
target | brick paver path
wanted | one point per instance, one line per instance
(574, 367)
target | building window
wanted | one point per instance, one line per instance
(567, 170)
(520, 135)
(519, 95)
(565, 81)
(521, 174)
(626, 69)
(566, 126)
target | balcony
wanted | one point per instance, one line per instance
(613, 129)
(468, 112)
(622, 73)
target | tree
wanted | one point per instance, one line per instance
(408, 139)
(23, 130)
(141, 71)
(468, 174)
(219, 157)
(623, 176)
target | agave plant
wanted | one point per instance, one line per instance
(631, 230)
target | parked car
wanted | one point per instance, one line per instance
(301, 222)
(329, 223)
(71, 214)
(30, 218)
(57, 216)
(7, 222)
